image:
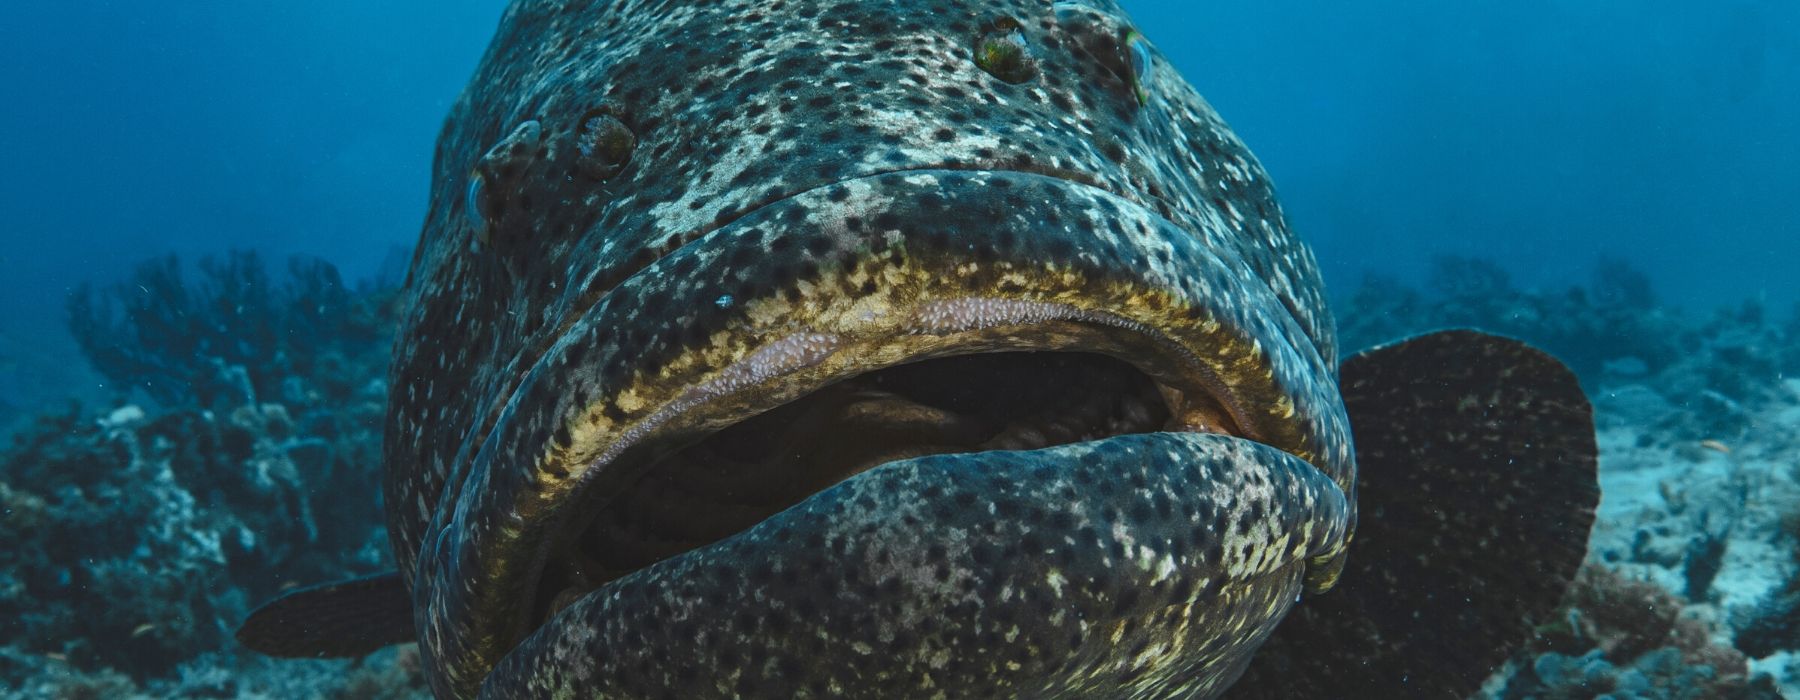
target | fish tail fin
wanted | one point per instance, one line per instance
(1476, 491)
(338, 619)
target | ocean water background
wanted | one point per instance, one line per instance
(1544, 134)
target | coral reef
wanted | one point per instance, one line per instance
(1657, 675)
(237, 335)
(1623, 638)
(134, 540)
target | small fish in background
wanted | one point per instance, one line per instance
(949, 349)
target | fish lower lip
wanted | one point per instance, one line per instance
(693, 495)
(1048, 561)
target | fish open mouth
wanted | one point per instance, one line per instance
(695, 494)
(912, 327)
(941, 374)
(748, 471)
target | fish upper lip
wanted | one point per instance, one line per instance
(486, 429)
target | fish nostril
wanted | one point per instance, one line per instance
(603, 145)
(498, 170)
(1003, 52)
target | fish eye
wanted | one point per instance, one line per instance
(1003, 53)
(603, 145)
(1138, 49)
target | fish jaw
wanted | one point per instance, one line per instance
(834, 282)
(1146, 566)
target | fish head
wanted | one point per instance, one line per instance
(706, 287)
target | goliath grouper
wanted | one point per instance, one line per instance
(937, 349)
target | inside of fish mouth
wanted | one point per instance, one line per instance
(738, 476)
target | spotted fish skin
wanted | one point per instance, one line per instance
(1073, 584)
(637, 201)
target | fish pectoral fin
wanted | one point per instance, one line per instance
(338, 619)
(1476, 489)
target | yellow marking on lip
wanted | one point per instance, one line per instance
(628, 400)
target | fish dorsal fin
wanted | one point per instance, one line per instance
(338, 619)
(1476, 490)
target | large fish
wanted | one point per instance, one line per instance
(951, 348)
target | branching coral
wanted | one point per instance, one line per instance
(1630, 639)
(186, 344)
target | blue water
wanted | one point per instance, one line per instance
(1542, 133)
